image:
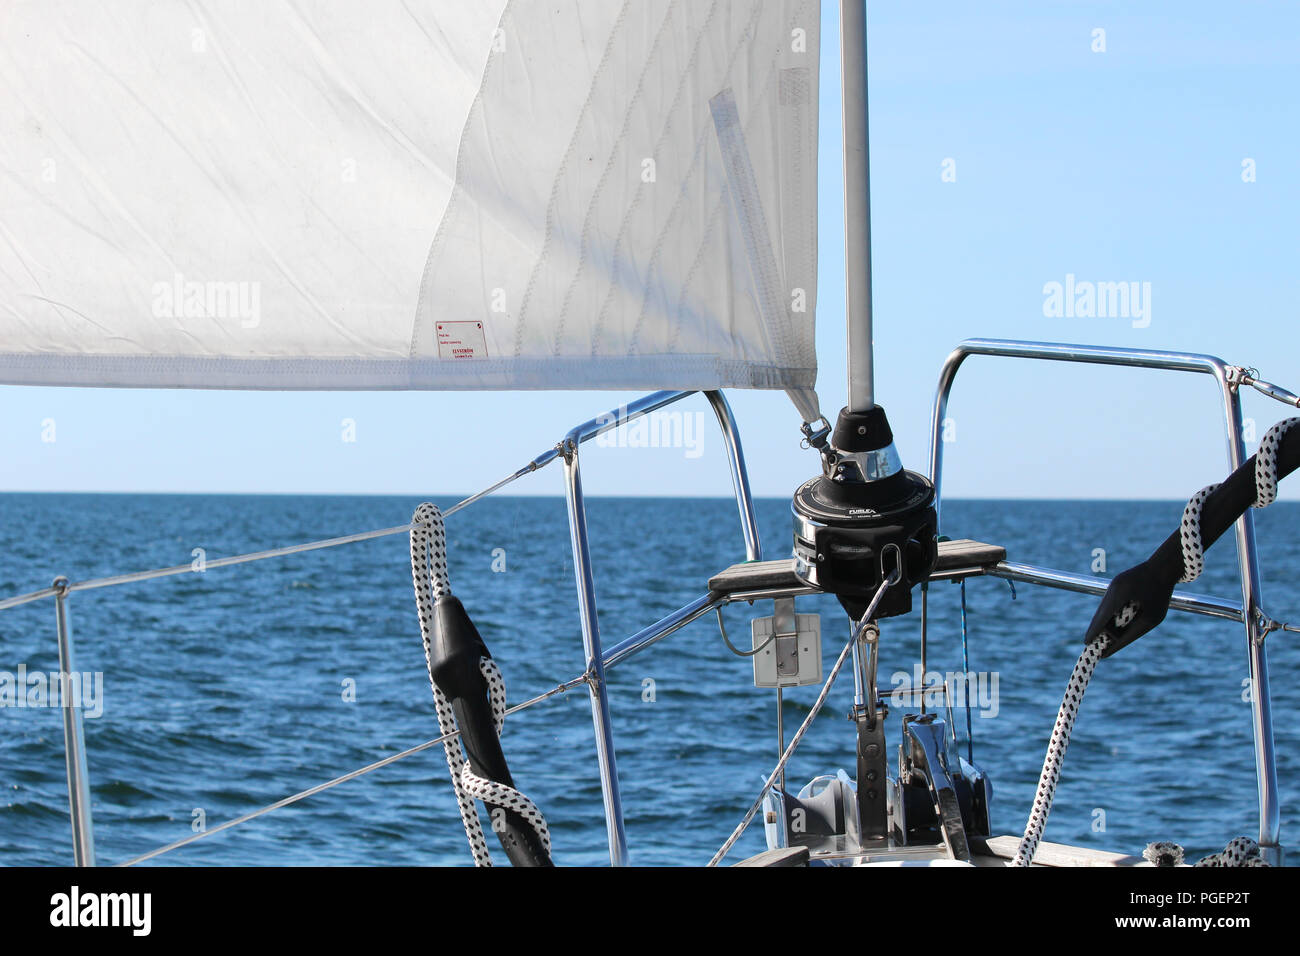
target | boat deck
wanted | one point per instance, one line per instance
(996, 851)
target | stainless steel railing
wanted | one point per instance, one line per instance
(1248, 611)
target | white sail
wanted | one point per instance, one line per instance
(402, 194)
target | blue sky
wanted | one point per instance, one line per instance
(1117, 166)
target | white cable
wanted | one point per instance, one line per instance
(336, 781)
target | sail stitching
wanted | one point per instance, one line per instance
(599, 327)
(552, 203)
(718, 208)
(673, 215)
(458, 190)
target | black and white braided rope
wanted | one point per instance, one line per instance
(1242, 851)
(1163, 853)
(1056, 748)
(1190, 534)
(489, 791)
(1265, 495)
(429, 574)
(1193, 564)
(1266, 463)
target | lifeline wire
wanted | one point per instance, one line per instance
(351, 775)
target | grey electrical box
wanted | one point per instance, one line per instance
(788, 647)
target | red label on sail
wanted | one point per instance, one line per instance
(461, 340)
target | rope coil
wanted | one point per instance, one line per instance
(1241, 851)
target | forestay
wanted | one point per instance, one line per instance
(389, 195)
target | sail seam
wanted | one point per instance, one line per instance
(718, 208)
(700, 141)
(599, 326)
(553, 201)
(457, 190)
(326, 373)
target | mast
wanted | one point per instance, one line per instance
(865, 529)
(857, 203)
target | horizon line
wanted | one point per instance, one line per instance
(559, 497)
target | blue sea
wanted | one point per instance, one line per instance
(227, 690)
